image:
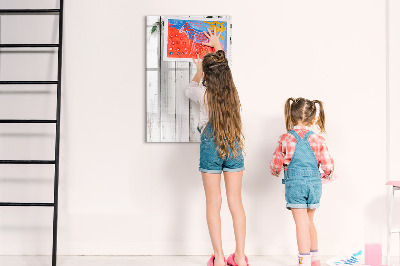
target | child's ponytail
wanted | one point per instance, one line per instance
(321, 116)
(288, 114)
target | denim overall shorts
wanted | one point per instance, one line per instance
(303, 186)
(210, 160)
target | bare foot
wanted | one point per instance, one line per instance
(219, 261)
(240, 260)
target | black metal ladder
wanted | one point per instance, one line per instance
(57, 82)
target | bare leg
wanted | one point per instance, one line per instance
(302, 221)
(313, 230)
(212, 188)
(233, 183)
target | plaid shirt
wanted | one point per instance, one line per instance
(287, 144)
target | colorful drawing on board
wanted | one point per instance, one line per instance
(183, 38)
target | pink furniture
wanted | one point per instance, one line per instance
(373, 254)
(394, 185)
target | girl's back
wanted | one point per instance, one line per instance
(287, 146)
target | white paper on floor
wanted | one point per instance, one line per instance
(350, 258)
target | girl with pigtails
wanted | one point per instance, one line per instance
(302, 154)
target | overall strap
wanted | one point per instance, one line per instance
(303, 164)
(294, 133)
(308, 134)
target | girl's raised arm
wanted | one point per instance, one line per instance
(194, 91)
(199, 66)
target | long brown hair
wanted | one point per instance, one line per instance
(303, 110)
(223, 104)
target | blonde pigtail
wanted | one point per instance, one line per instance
(321, 116)
(288, 114)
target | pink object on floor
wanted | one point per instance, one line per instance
(326, 181)
(316, 263)
(211, 260)
(393, 183)
(373, 254)
(231, 260)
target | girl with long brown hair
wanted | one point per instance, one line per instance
(221, 147)
(301, 153)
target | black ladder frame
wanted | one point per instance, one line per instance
(57, 82)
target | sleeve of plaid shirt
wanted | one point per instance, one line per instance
(326, 162)
(278, 157)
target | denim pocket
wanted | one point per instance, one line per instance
(317, 190)
(293, 190)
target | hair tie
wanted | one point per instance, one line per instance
(219, 64)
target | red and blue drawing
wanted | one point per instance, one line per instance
(185, 37)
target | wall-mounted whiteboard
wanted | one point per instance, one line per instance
(170, 115)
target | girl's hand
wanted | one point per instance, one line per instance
(213, 39)
(199, 65)
(274, 174)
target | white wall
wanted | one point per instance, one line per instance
(121, 195)
(394, 109)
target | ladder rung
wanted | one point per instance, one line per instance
(395, 231)
(27, 161)
(38, 204)
(29, 82)
(28, 11)
(27, 121)
(33, 45)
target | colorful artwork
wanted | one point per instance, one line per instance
(183, 37)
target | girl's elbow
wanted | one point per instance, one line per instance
(187, 92)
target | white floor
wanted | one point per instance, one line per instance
(142, 260)
(135, 260)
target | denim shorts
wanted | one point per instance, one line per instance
(303, 193)
(211, 161)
